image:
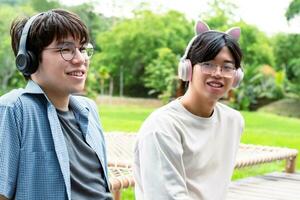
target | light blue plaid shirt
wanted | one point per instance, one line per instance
(34, 161)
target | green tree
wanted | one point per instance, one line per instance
(44, 5)
(293, 75)
(293, 10)
(256, 46)
(287, 58)
(12, 2)
(131, 45)
(220, 14)
(9, 76)
(261, 85)
(256, 86)
(285, 49)
(96, 23)
(160, 74)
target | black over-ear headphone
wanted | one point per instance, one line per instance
(26, 61)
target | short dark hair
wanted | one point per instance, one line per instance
(55, 24)
(207, 45)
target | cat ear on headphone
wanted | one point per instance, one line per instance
(234, 32)
(201, 27)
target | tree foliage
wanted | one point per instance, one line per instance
(7, 59)
(96, 23)
(139, 55)
(287, 57)
(220, 14)
(285, 49)
(133, 44)
(256, 46)
(160, 74)
(293, 10)
(44, 5)
(257, 52)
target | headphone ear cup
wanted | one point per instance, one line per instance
(239, 75)
(185, 70)
(26, 62)
(22, 61)
(33, 63)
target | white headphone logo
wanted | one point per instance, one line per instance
(185, 65)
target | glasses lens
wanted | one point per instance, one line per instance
(68, 51)
(228, 70)
(210, 68)
(89, 50)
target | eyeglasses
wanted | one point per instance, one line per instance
(68, 50)
(227, 70)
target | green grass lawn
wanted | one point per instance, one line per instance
(260, 128)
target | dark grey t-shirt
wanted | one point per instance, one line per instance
(87, 176)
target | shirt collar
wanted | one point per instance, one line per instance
(33, 88)
(77, 106)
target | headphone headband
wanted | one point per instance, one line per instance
(25, 31)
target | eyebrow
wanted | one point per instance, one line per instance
(61, 43)
(229, 61)
(225, 61)
(64, 42)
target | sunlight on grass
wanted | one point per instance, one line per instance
(268, 129)
(123, 118)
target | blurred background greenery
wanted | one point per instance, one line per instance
(138, 56)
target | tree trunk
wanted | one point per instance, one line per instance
(111, 86)
(121, 81)
(102, 86)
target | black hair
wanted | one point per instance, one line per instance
(55, 24)
(207, 45)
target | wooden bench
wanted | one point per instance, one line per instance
(275, 185)
(120, 159)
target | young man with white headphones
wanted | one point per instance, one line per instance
(187, 149)
(51, 142)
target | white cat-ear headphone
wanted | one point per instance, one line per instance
(185, 66)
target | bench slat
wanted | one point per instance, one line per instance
(283, 186)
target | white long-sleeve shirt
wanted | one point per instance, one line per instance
(181, 156)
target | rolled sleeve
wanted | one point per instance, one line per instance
(9, 151)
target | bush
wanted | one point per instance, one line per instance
(260, 85)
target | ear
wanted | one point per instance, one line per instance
(201, 27)
(234, 32)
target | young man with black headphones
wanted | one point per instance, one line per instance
(51, 142)
(186, 149)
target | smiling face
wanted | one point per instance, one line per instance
(212, 87)
(58, 77)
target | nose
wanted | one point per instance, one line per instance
(78, 57)
(217, 71)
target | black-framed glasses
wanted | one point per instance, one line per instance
(68, 50)
(227, 70)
